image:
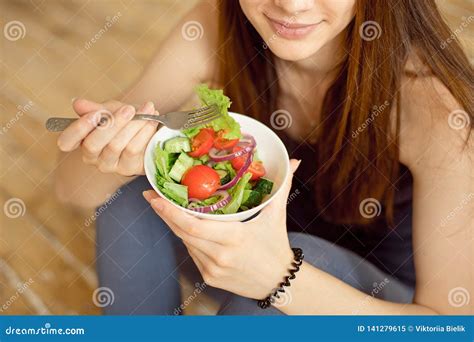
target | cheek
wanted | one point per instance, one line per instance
(340, 13)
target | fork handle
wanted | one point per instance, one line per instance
(60, 124)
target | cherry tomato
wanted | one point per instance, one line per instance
(238, 162)
(202, 181)
(222, 143)
(202, 142)
(256, 167)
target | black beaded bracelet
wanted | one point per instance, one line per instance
(297, 261)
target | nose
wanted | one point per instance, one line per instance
(295, 6)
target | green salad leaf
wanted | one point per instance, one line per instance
(225, 122)
(237, 193)
(163, 162)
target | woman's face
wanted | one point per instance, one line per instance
(297, 29)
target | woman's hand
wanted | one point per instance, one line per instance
(118, 144)
(249, 259)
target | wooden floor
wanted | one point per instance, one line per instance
(46, 251)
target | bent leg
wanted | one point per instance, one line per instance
(136, 255)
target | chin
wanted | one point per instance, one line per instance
(293, 51)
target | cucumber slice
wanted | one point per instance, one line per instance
(220, 166)
(182, 164)
(251, 198)
(197, 162)
(205, 158)
(264, 186)
(224, 176)
(172, 157)
(176, 192)
(177, 145)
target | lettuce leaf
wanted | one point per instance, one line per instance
(224, 122)
(237, 193)
(163, 162)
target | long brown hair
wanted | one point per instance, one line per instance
(364, 166)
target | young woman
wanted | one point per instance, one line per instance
(378, 105)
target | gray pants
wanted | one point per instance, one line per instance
(139, 260)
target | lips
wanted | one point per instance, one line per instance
(291, 30)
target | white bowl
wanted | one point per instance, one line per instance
(270, 150)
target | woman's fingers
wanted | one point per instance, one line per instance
(95, 142)
(72, 136)
(110, 156)
(84, 106)
(133, 154)
(205, 246)
(202, 229)
(196, 258)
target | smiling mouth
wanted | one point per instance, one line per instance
(291, 30)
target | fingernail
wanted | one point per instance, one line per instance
(73, 99)
(149, 106)
(147, 195)
(128, 112)
(60, 144)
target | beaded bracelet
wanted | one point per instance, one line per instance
(297, 261)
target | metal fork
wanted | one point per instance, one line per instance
(174, 120)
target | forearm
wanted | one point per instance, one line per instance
(84, 185)
(315, 292)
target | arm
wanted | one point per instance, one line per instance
(442, 171)
(442, 166)
(168, 81)
(443, 211)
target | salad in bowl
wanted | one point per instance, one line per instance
(226, 170)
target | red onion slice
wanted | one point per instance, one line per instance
(239, 174)
(247, 142)
(225, 199)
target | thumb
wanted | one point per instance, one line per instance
(278, 205)
(84, 106)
